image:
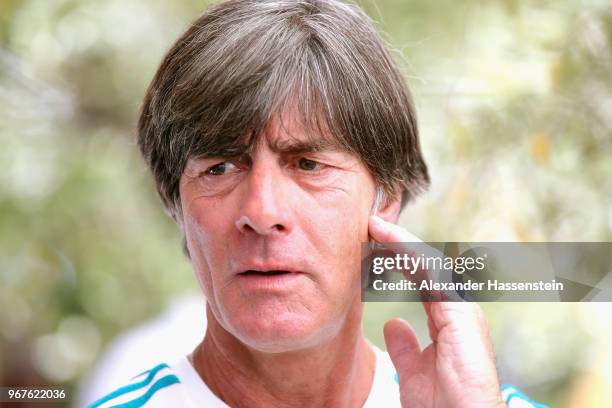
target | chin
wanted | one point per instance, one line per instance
(280, 329)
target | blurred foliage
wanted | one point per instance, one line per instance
(515, 104)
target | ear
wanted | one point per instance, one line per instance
(389, 208)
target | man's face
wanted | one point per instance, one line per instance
(274, 237)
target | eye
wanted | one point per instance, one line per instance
(221, 169)
(308, 165)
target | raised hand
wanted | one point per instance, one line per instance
(457, 369)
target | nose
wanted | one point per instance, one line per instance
(264, 204)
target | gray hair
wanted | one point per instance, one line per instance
(244, 61)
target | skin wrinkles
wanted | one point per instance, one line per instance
(332, 163)
(316, 192)
(281, 395)
(310, 219)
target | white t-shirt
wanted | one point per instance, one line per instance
(179, 385)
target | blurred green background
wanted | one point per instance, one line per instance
(515, 105)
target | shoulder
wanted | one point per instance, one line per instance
(151, 388)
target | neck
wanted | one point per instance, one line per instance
(333, 374)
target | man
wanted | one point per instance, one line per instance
(274, 129)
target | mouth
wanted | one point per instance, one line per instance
(271, 280)
(274, 272)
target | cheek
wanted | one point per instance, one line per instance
(205, 221)
(341, 215)
(337, 222)
(207, 253)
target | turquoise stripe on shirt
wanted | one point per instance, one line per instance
(158, 385)
(130, 387)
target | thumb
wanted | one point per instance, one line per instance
(402, 345)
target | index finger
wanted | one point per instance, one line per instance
(387, 232)
(384, 231)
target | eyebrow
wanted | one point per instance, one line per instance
(291, 146)
(294, 146)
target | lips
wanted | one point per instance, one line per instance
(267, 267)
(271, 280)
(273, 272)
